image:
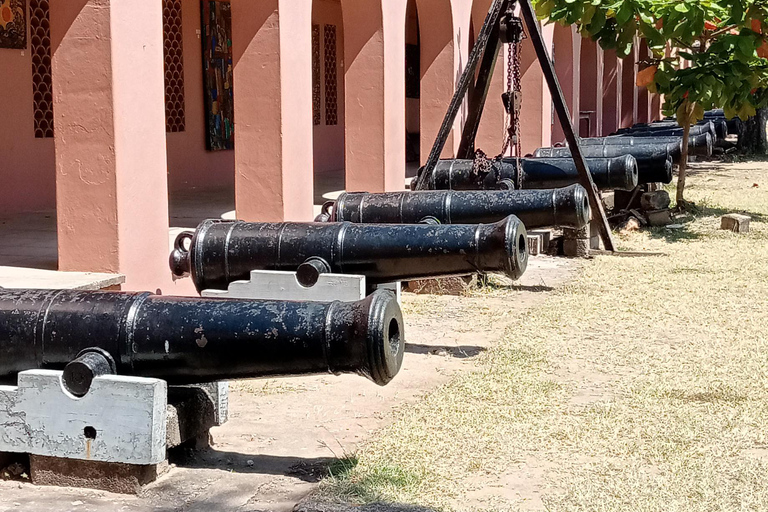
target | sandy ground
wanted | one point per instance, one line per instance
(282, 433)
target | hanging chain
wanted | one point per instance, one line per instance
(513, 97)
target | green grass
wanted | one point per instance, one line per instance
(641, 385)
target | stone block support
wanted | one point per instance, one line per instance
(111, 171)
(272, 51)
(374, 79)
(612, 86)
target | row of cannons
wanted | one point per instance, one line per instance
(469, 222)
(472, 217)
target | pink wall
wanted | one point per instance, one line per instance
(329, 139)
(190, 165)
(591, 85)
(628, 89)
(567, 58)
(611, 92)
(27, 169)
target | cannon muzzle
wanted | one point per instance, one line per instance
(187, 340)
(566, 207)
(225, 251)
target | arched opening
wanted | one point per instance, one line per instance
(27, 166)
(590, 87)
(328, 99)
(413, 51)
(567, 62)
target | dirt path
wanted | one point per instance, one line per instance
(281, 433)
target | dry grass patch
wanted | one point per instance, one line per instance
(642, 385)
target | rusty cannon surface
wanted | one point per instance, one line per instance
(220, 252)
(192, 340)
(566, 207)
(537, 173)
(655, 163)
(699, 145)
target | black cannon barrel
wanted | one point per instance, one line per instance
(538, 173)
(700, 145)
(567, 207)
(185, 340)
(668, 129)
(221, 252)
(654, 163)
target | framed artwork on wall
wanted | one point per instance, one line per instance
(13, 24)
(216, 30)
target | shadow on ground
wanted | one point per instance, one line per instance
(312, 506)
(459, 352)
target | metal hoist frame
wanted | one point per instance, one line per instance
(500, 25)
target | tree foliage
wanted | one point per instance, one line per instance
(723, 42)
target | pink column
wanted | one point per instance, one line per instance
(438, 71)
(374, 55)
(111, 173)
(643, 100)
(272, 46)
(536, 111)
(490, 134)
(655, 113)
(612, 76)
(591, 85)
(629, 89)
(567, 58)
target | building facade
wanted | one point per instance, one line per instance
(113, 107)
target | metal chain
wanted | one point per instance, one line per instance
(515, 97)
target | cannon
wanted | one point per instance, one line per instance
(566, 207)
(654, 163)
(220, 252)
(700, 145)
(538, 173)
(192, 340)
(671, 129)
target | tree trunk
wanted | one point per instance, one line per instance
(683, 167)
(755, 137)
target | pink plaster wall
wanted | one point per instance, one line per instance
(329, 139)
(643, 99)
(567, 58)
(27, 169)
(591, 84)
(536, 110)
(490, 134)
(272, 42)
(628, 89)
(190, 165)
(110, 139)
(611, 92)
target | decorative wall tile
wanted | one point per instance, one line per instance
(40, 47)
(175, 115)
(331, 78)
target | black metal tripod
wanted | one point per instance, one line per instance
(496, 30)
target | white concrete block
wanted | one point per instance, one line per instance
(121, 419)
(281, 285)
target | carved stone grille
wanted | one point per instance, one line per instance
(175, 116)
(331, 79)
(40, 47)
(316, 92)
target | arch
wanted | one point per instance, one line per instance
(566, 54)
(591, 89)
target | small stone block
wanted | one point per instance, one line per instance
(659, 217)
(453, 285)
(578, 248)
(535, 245)
(545, 234)
(105, 476)
(657, 200)
(735, 222)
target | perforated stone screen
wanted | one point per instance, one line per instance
(331, 78)
(40, 46)
(175, 116)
